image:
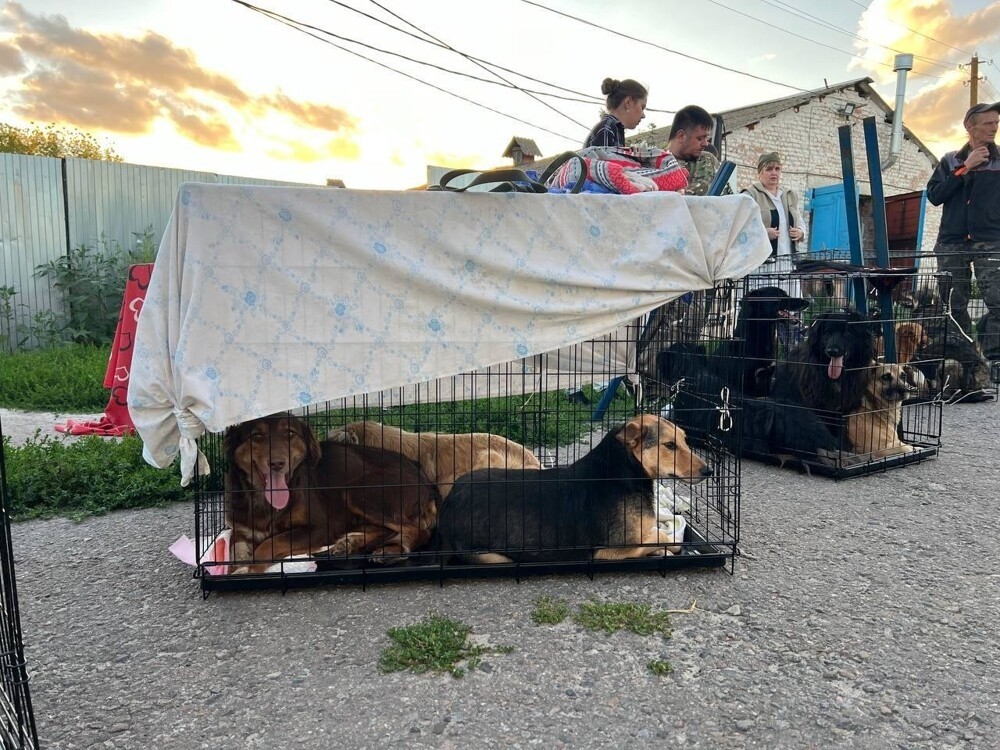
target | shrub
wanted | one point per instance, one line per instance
(91, 283)
(51, 477)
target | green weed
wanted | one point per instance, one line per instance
(612, 617)
(659, 667)
(549, 611)
(436, 644)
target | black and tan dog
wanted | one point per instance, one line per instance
(873, 428)
(287, 495)
(603, 502)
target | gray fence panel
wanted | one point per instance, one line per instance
(32, 231)
(43, 216)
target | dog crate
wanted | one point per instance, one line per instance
(17, 720)
(844, 371)
(582, 414)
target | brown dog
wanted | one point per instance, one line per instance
(872, 429)
(287, 494)
(602, 504)
(443, 457)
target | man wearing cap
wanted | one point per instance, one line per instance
(967, 184)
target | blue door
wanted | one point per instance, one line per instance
(828, 232)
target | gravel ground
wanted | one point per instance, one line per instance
(863, 616)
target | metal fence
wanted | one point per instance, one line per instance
(50, 206)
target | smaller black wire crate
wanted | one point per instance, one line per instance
(564, 462)
(816, 384)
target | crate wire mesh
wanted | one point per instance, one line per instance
(17, 720)
(556, 408)
(822, 390)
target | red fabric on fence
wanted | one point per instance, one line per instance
(116, 419)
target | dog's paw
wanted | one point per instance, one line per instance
(391, 554)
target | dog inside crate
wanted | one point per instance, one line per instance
(393, 480)
(813, 386)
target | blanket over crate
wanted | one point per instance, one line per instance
(271, 298)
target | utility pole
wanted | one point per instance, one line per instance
(974, 82)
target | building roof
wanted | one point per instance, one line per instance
(741, 117)
(528, 147)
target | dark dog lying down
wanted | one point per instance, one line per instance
(762, 426)
(602, 502)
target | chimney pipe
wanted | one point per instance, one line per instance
(902, 64)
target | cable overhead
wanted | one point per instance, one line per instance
(918, 33)
(808, 39)
(475, 62)
(288, 22)
(586, 98)
(779, 5)
(661, 47)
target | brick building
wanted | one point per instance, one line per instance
(803, 129)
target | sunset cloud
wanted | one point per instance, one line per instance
(126, 85)
(934, 108)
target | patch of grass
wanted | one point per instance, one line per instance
(49, 477)
(436, 644)
(64, 378)
(612, 617)
(659, 667)
(549, 611)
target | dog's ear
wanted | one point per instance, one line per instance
(313, 451)
(231, 440)
(633, 432)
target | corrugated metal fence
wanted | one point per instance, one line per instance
(48, 206)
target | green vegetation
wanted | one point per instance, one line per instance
(50, 477)
(659, 667)
(611, 617)
(549, 611)
(65, 378)
(55, 141)
(435, 644)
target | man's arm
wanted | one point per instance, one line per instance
(944, 183)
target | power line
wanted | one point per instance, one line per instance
(779, 5)
(918, 33)
(588, 98)
(481, 65)
(661, 47)
(292, 24)
(805, 38)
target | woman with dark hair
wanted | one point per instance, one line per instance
(626, 107)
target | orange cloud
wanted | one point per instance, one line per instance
(934, 108)
(342, 149)
(123, 85)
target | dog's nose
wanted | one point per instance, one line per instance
(277, 465)
(706, 471)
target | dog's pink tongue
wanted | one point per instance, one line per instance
(835, 367)
(276, 490)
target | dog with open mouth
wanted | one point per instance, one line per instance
(286, 494)
(873, 428)
(830, 370)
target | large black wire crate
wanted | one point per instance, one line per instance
(17, 720)
(822, 386)
(563, 462)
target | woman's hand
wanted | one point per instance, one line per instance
(796, 234)
(772, 233)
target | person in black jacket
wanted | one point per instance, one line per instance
(967, 183)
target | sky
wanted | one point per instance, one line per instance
(371, 92)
